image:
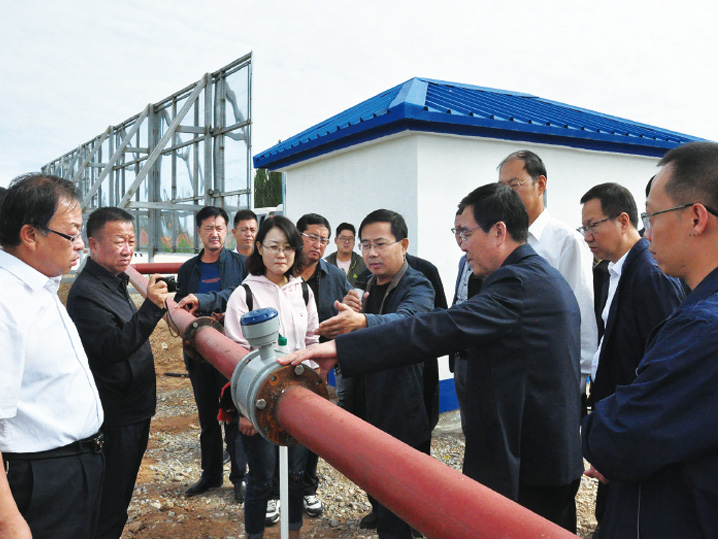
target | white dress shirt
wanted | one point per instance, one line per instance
(614, 272)
(48, 397)
(566, 250)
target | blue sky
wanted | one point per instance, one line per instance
(69, 69)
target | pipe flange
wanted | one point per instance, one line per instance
(270, 394)
(193, 329)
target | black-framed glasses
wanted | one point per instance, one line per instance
(316, 239)
(646, 217)
(345, 239)
(464, 233)
(378, 246)
(585, 229)
(71, 239)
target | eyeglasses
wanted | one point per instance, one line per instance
(71, 239)
(316, 239)
(583, 230)
(464, 233)
(275, 248)
(378, 246)
(515, 184)
(646, 217)
(345, 239)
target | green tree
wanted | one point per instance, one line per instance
(267, 188)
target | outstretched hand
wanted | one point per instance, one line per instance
(325, 354)
(346, 321)
(593, 472)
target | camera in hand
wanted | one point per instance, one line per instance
(171, 283)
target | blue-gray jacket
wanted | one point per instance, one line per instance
(333, 286)
(231, 273)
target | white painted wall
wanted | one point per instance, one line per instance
(423, 176)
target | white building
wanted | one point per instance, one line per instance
(420, 147)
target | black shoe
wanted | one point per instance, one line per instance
(202, 486)
(225, 457)
(240, 490)
(370, 521)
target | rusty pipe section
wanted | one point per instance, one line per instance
(437, 500)
(157, 267)
(433, 498)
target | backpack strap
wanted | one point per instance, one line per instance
(305, 292)
(250, 297)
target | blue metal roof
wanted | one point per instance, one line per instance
(445, 107)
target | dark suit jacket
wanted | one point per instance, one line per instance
(115, 336)
(645, 297)
(522, 332)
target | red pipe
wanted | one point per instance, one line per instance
(437, 500)
(157, 267)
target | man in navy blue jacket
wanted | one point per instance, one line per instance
(522, 336)
(638, 295)
(205, 283)
(655, 438)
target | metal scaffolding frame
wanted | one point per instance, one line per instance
(189, 150)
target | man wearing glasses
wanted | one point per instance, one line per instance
(391, 400)
(655, 439)
(638, 295)
(565, 250)
(205, 283)
(345, 258)
(50, 410)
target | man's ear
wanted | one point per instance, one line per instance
(542, 182)
(500, 232)
(28, 236)
(404, 244)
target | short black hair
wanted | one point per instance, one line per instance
(398, 225)
(32, 199)
(346, 226)
(313, 219)
(532, 163)
(244, 215)
(695, 173)
(254, 262)
(615, 200)
(101, 216)
(496, 202)
(210, 211)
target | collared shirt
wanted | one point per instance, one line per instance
(566, 250)
(48, 397)
(614, 272)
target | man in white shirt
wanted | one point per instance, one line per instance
(50, 411)
(558, 243)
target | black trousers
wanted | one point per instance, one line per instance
(554, 503)
(58, 497)
(207, 384)
(124, 448)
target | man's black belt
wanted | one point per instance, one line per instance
(93, 444)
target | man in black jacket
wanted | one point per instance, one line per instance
(205, 283)
(115, 336)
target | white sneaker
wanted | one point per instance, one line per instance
(313, 506)
(272, 516)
